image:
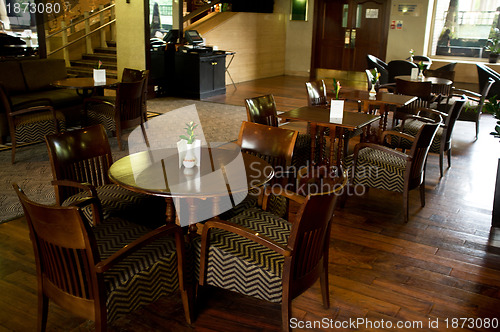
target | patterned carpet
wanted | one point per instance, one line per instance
(32, 171)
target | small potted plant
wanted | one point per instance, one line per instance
(421, 67)
(493, 46)
(412, 53)
(189, 159)
(374, 82)
(337, 105)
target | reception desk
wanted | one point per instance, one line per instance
(200, 75)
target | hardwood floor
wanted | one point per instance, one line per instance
(444, 264)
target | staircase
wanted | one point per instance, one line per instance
(85, 66)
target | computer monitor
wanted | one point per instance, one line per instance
(171, 36)
(193, 37)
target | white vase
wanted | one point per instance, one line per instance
(421, 75)
(99, 75)
(372, 94)
(189, 159)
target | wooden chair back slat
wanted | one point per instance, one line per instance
(316, 93)
(81, 155)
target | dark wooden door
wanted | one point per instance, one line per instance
(345, 31)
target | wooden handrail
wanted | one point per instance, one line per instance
(80, 21)
(200, 10)
(81, 37)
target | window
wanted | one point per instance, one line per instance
(462, 27)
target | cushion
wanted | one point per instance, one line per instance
(130, 282)
(116, 201)
(40, 73)
(378, 169)
(34, 127)
(243, 266)
(412, 127)
(11, 76)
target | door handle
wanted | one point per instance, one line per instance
(347, 38)
(353, 38)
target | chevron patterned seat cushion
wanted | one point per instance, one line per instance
(378, 169)
(102, 114)
(243, 266)
(34, 127)
(143, 276)
(413, 126)
(277, 205)
(119, 202)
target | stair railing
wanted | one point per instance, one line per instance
(88, 32)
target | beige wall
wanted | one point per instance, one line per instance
(413, 33)
(130, 35)
(258, 40)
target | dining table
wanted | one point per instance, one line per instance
(319, 116)
(382, 100)
(433, 80)
(84, 86)
(220, 180)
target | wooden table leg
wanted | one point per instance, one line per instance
(313, 128)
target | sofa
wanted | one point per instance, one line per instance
(29, 79)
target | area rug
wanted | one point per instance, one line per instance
(32, 170)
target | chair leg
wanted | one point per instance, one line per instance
(13, 139)
(477, 128)
(422, 195)
(323, 279)
(406, 206)
(286, 312)
(449, 157)
(43, 310)
(441, 160)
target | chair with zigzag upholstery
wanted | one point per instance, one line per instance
(259, 254)
(276, 146)
(262, 110)
(441, 143)
(126, 110)
(386, 168)
(80, 160)
(30, 121)
(105, 271)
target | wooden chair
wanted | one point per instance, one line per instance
(316, 93)
(485, 74)
(422, 90)
(276, 146)
(442, 91)
(125, 111)
(398, 68)
(262, 110)
(31, 121)
(474, 106)
(441, 143)
(258, 254)
(102, 272)
(134, 75)
(80, 160)
(385, 168)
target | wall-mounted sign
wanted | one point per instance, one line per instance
(408, 9)
(372, 13)
(393, 24)
(399, 24)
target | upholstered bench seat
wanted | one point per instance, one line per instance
(139, 271)
(33, 127)
(245, 260)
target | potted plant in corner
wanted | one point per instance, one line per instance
(494, 46)
(492, 106)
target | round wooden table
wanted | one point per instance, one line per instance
(433, 80)
(84, 86)
(223, 177)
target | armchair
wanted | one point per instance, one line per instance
(30, 122)
(258, 254)
(391, 169)
(382, 67)
(399, 67)
(102, 272)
